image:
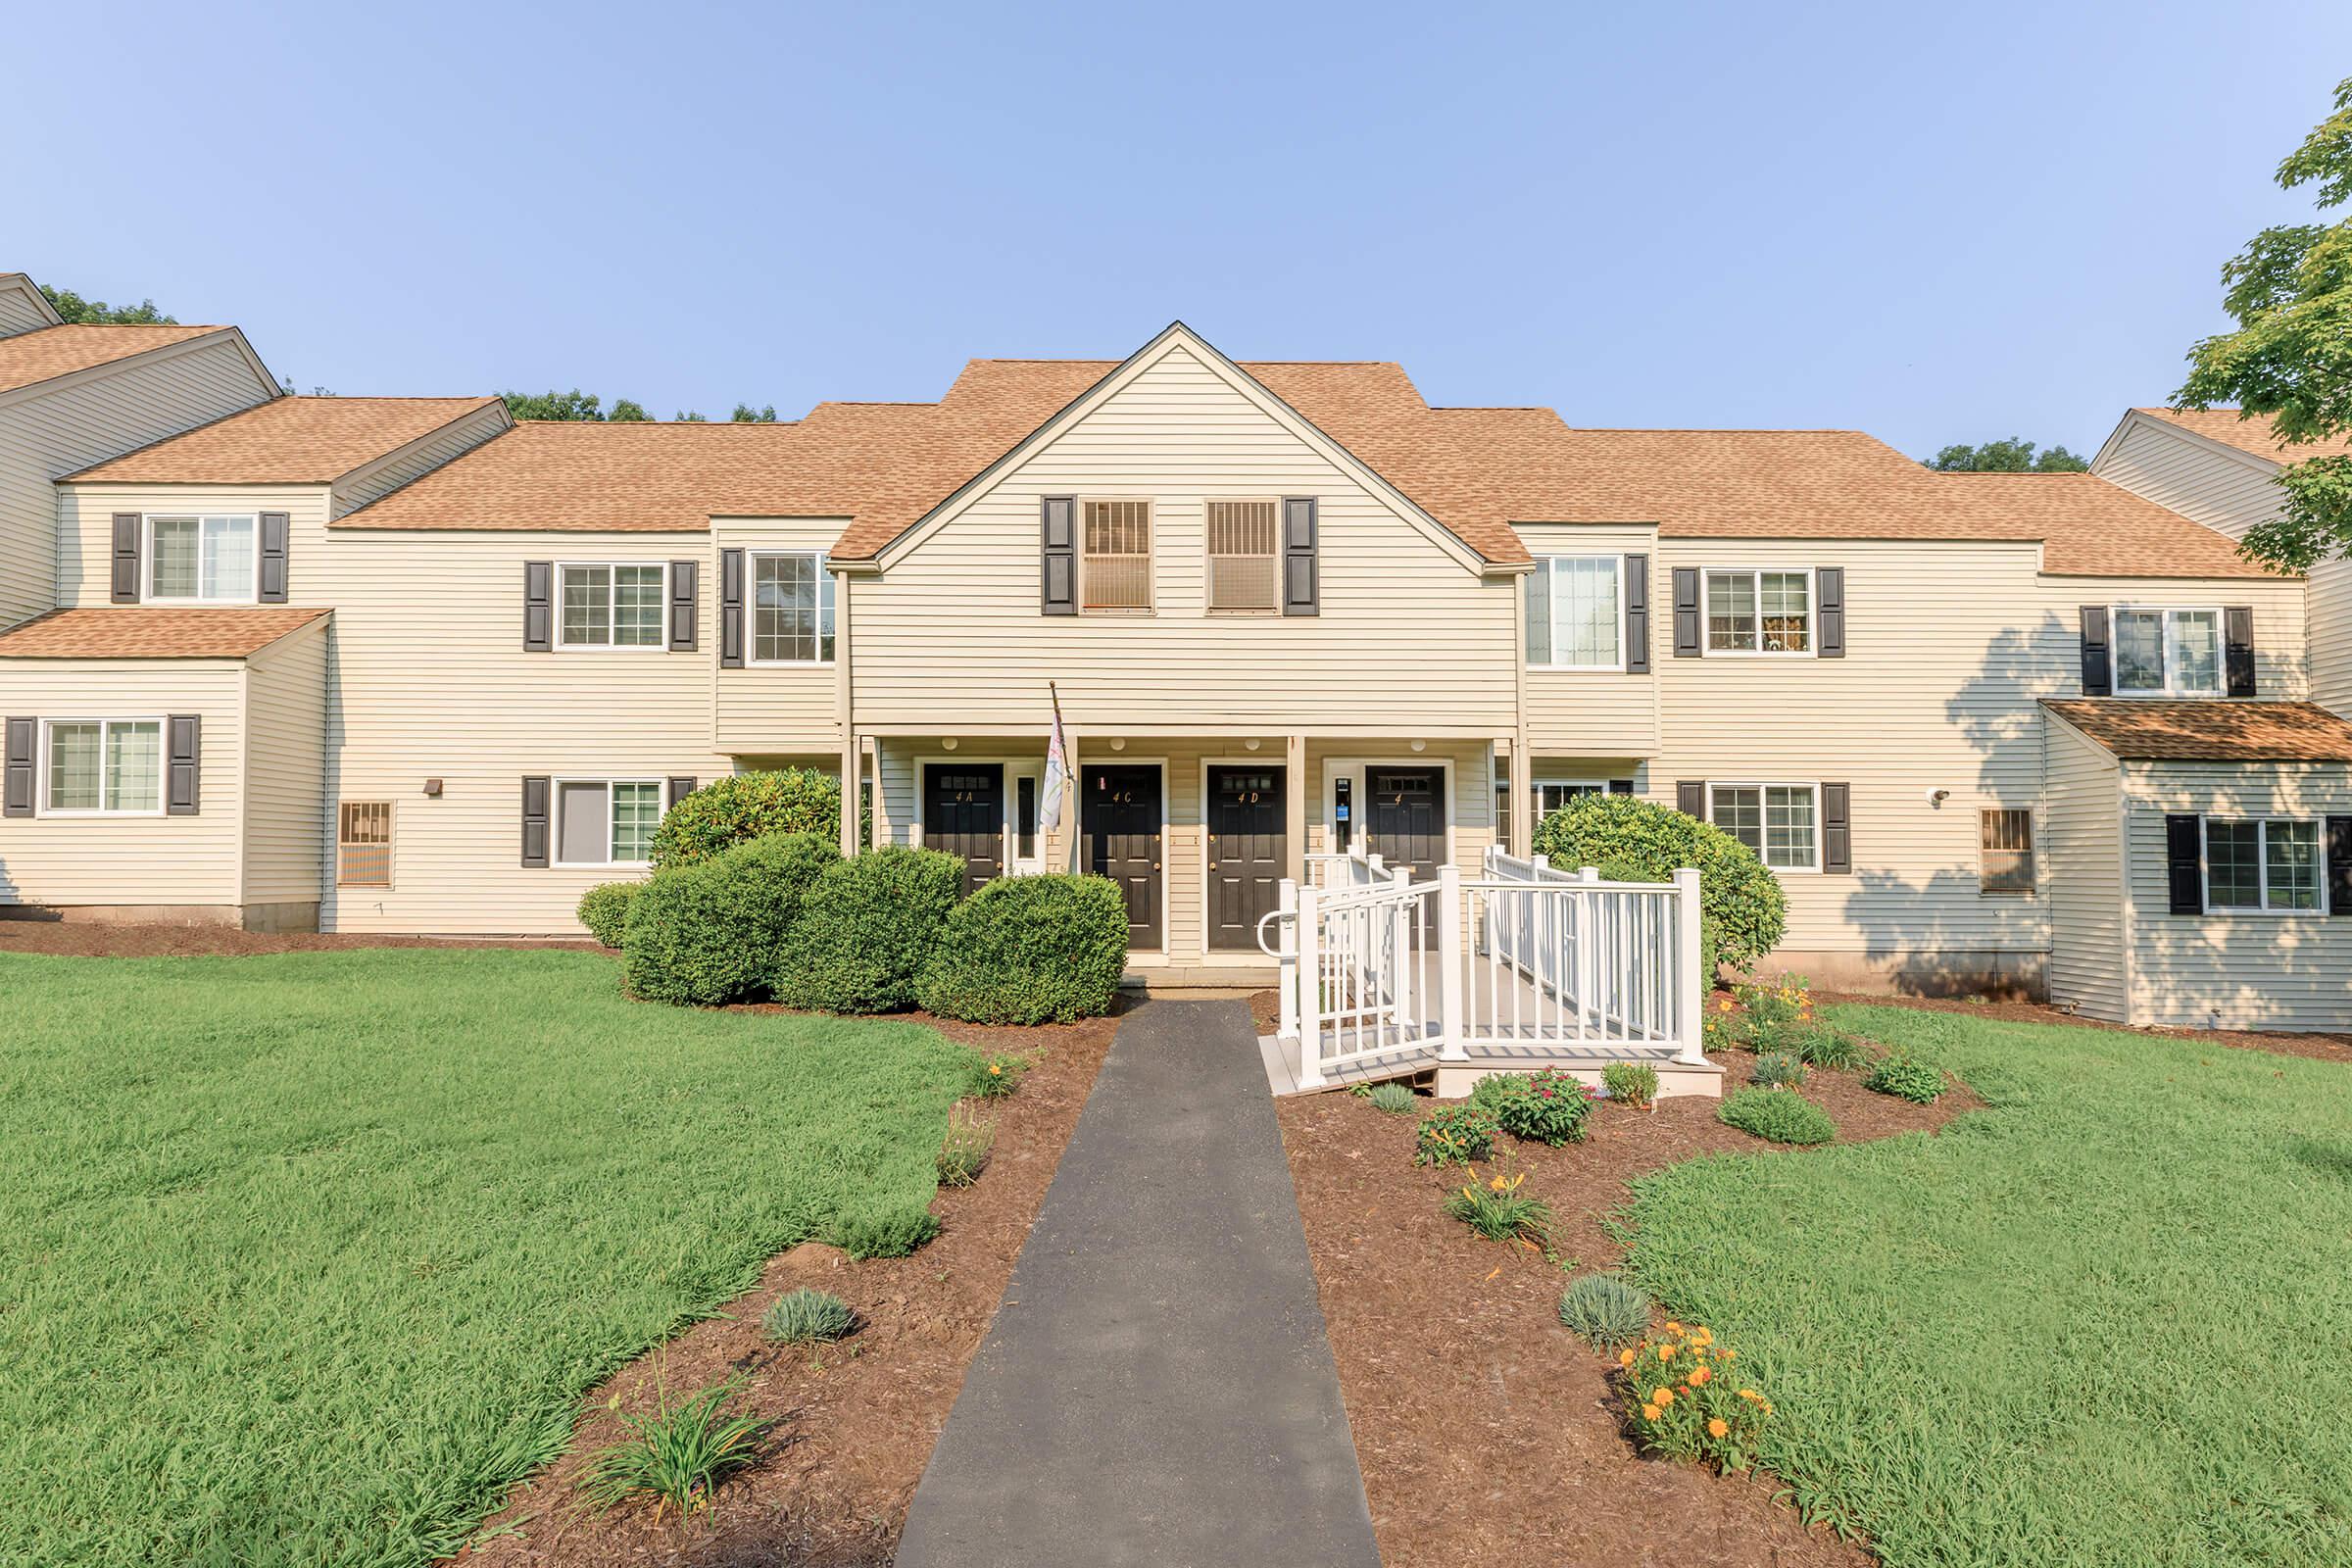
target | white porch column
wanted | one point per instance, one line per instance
(1523, 807)
(1691, 986)
(1286, 936)
(1293, 807)
(1072, 800)
(1311, 989)
(853, 773)
(1451, 1047)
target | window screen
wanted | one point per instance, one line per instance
(364, 844)
(2005, 851)
(1243, 556)
(1117, 570)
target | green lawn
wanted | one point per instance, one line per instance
(303, 1257)
(2108, 1321)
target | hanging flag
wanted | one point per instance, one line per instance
(1058, 767)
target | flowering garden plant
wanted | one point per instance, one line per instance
(1547, 1106)
(1454, 1134)
(1688, 1399)
(1500, 1213)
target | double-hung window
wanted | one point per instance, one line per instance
(2264, 864)
(2168, 653)
(105, 767)
(1575, 613)
(1115, 565)
(1244, 555)
(613, 605)
(202, 560)
(605, 821)
(792, 608)
(1781, 822)
(1759, 611)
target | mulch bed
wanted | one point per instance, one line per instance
(1486, 1431)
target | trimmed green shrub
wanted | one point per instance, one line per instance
(1630, 1083)
(868, 927)
(1547, 1106)
(1776, 1069)
(1905, 1077)
(742, 807)
(604, 910)
(893, 1235)
(1454, 1134)
(1604, 1312)
(1829, 1046)
(807, 1317)
(1742, 909)
(709, 934)
(1777, 1117)
(1027, 949)
(1394, 1097)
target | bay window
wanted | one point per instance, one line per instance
(1575, 613)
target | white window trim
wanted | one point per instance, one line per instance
(1813, 787)
(1812, 648)
(147, 593)
(750, 623)
(1209, 556)
(555, 823)
(163, 766)
(1150, 557)
(659, 645)
(2220, 651)
(1551, 601)
(2262, 864)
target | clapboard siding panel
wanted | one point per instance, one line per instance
(460, 438)
(85, 532)
(20, 310)
(2082, 852)
(769, 709)
(1588, 712)
(285, 807)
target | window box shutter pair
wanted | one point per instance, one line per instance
(276, 529)
(183, 766)
(1828, 613)
(1837, 820)
(2098, 655)
(1058, 557)
(539, 605)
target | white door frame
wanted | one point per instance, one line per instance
(1280, 764)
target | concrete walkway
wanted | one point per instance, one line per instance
(1157, 1387)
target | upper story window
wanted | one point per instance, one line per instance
(2168, 653)
(1781, 822)
(203, 559)
(1759, 611)
(2270, 864)
(1575, 613)
(1244, 555)
(613, 605)
(105, 766)
(1114, 558)
(792, 608)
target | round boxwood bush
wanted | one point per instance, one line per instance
(1741, 907)
(1028, 950)
(742, 807)
(604, 910)
(866, 930)
(1778, 1115)
(712, 933)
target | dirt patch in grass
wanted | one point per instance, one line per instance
(1484, 1430)
(854, 1421)
(2317, 1047)
(98, 938)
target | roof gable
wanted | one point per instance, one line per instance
(24, 307)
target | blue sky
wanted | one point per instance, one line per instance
(1937, 224)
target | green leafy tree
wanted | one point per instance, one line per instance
(574, 406)
(745, 414)
(2013, 455)
(79, 311)
(2290, 356)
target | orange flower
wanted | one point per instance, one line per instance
(1673, 1327)
(1751, 1395)
(1625, 1358)
(1665, 1352)
(1699, 1375)
(1649, 1413)
(1661, 1395)
(1718, 1428)
(1728, 1355)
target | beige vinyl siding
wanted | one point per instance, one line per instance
(1592, 712)
(45, 435)
(148, 860)
(953, 626)
(2233, 971)
(444, 446)
(2231, 491)
(21, 310)
(2082, 873)
(285, 748)
(87, 520)
(774, 708)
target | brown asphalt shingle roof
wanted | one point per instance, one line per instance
(2231, 427)
(152, 631)
(289, 440)
(2211, 730)
(2091, 527)
(49, 352)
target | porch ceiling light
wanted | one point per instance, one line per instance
(1118, 745)
(1420, 745)
(1251, 746)
(947, 745)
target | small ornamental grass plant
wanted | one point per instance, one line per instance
(1548, 1106)
(997, 1075)
(676, 1454)
(1500, 1212)
(1604, 1311)
(807, 1317)
(1393, 1098)
(1456, 1134)
(1630, 1083)
(1777, 1117)
(894, 1234)
(1686, 1402)
(1906, 1077)
(1778, 1069)
(964, 1153)
(1830, 1046)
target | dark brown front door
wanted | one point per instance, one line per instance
(1120, 818)
(1249, 852)
(1405, 818)
(964, 813)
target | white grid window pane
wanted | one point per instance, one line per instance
(792, 618)
(1584, 599)
(1244, 557)
(135, 766)
(1788, 828)
(2234, 866)
(588, 605)
(636, 812)
(1741, 814)
(2139, 651)
(173, 541)
(637, 606)
(74, 781)
(227, 566)
(2292, 855)
(2196, 652)
(1731, 613)
(1786, 598)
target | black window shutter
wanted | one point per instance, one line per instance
(1058, 556)
(1837, 829)
(730, 609)
(1828, 588)
(2098, 669)
(538, 607)
(186, 754)
(1685, 612)
(1637, 615)
(16, 787)
(1621, 786)
(2238, 623)
(679, 789)
(1691, 798)
(1300, 589)
(2339, 865)
(127, 558)
(2184, 864)
(534, 820)
(685, 585)
(277, 528)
